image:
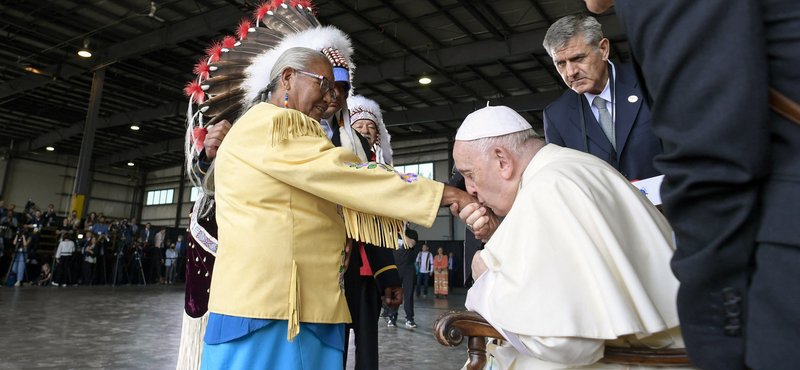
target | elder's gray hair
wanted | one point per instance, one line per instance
(564, 29)
(297, 58)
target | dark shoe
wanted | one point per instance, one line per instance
(392, 322)
(411, 324)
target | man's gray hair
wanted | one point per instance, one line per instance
(564, 29)
(514, 142)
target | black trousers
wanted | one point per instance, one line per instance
(364, 313)
(88, 273)
(62, 271)
(408, 277)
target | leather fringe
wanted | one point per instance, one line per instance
(377, 230)
(191, 346)
(294, 305)
(295, 124)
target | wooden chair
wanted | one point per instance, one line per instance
(451, 328)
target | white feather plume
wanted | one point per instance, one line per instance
(359, 102)
(313, 38)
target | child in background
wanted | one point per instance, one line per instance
(45, 277)
(172, 256)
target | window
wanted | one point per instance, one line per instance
(156, 197)
(196, 192)
(422, 169)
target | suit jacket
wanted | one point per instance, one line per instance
(148, 240)
(636, 142)
(731, 169)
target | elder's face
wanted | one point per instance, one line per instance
(305, 94)
(338, 103)
(367, 129)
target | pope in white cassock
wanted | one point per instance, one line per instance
(581, 258)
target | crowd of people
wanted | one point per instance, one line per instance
(89, 251)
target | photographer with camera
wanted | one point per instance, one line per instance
(90, 253)
(35, 226)
(21, 243)
(137, 272)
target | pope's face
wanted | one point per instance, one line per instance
(482, 178)
(582, 68)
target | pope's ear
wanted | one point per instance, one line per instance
(502, 160)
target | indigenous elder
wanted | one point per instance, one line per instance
(731, 166)
(440, 274)
(581, 259)
(277, 168)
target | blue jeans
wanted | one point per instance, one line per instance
(422, 279)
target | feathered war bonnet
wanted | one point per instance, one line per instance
(364, 108)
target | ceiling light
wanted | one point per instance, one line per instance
(424, 80)
(135, 128)
(130, 164)
(50, 149)
(84, 52)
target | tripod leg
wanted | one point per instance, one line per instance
(144, 282)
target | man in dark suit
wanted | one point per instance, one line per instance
(148, 235)
(732, 169)
(603, 113)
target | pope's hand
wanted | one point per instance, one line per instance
(214, 138)
(483, 221)
(478, 266)
(393, 296)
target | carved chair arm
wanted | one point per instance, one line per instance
(452, 327)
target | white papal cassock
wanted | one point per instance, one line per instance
(580, 261)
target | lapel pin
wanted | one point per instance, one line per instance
(633, 98)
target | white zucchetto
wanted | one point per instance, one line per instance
(491, 122)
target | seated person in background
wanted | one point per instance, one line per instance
(581, 259)
(45, 277)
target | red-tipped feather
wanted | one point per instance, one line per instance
(244, 28)
(276, 3)
(214, 50)
(201, 69)
(194, 91)
(199, 136)
(228, 42)
(262, 10)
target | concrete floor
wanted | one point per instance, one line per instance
(134, 327)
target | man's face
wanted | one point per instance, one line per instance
(102, 220)
(147, 226)
(582, 68)
(482, 178)
(598, 6)
(50, 208)
(337, 104)
(367, 129)
(38, 213)
(424, 247)
(133, 221)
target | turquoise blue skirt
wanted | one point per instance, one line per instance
(267, 348)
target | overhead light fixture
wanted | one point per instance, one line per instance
(135, 128)
(424, 80)
(84, 52)
(50, 149)
(130, 164)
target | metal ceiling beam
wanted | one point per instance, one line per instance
(119, 119)
(224, 17)
(482, 20)
(487, 80)
(413, 24)
(517, 75)
(486, 51)
(407, 48)
(452, 19)
(520, 103)
(166, 146)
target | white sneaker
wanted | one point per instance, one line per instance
(54, 284)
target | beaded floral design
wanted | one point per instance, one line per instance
(407, 177)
